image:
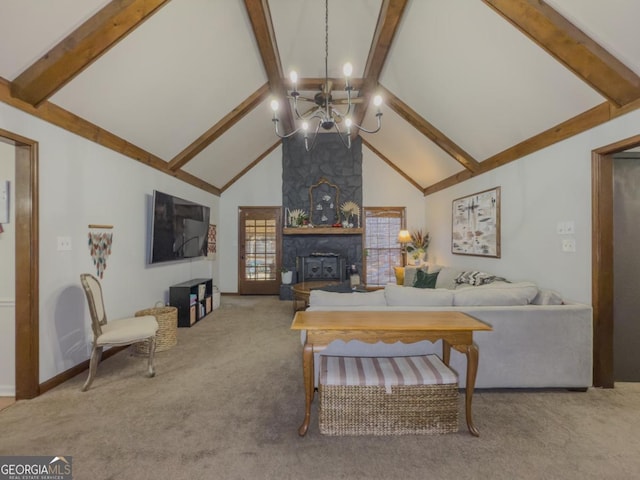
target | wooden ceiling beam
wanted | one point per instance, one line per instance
(580, 123)
(429, 131)
(262, 25)
(571, 47)
(391, 13)
(66, 120)
(81, 48)
(228, 121)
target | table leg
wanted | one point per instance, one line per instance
(308, 374)
(446, 352)
(471, 351)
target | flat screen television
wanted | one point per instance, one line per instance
(179, 228)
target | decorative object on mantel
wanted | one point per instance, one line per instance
(100, 247)
(325, 111)
(417, 246)
(296, 217)
(323, 198)
(475, 226)
(349, 210)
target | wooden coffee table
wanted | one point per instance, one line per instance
(455, 329)
(301, 291)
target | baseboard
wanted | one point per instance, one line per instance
(76, 370)
(7, 390)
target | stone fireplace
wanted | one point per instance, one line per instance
(332, 161)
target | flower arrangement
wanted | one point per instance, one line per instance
(297, 217)
(419, 243)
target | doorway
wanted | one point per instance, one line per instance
(602, 258)
(626, 266)
(27, 365)
(259, 250)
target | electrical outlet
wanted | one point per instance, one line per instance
(569, 245)
(569, 227)
(64, 244)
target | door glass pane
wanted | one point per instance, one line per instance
(260, 250)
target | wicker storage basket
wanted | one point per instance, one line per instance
(166, 337)
(384, 409)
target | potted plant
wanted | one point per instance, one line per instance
(287, 275)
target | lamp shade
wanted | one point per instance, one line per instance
(404, 236)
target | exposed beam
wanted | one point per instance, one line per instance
(578, 124)
(429, 131)
(229, 120)
(391, 13)
(262, 25)
(391, 164)
(250, 166)
(81, 48)
(572, 47)
(62, 118)
(338, 83)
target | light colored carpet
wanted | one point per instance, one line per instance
(228, 399)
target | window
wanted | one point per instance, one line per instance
(383, 251)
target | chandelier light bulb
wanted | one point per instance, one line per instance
(305, 126)
(293, 76)
(347, 69)
(377, 100)
(348, 123)
(275, 105)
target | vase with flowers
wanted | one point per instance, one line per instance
(417, 248)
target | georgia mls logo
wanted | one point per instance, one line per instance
(35, 468)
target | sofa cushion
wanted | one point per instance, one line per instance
(447, 277)
(496, 294)
(410, 275)
(547, 297)
(476, 278)
(399, 271)
(425, 280)
(353, 299)
(417, 297)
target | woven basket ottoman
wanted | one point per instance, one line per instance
(387, 396)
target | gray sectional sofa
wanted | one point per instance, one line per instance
(538, 339)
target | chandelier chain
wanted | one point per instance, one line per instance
(326, 40)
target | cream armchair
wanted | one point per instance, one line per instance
(125, 331)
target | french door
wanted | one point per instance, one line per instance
(259, 250)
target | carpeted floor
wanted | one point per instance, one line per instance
(228, 399)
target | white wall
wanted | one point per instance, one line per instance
(83, 183)
(7, 279)
(538, 191)
(382, 186)
(259, 187)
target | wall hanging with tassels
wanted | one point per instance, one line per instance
(100, 247)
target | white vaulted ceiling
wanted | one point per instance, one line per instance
(187, 87)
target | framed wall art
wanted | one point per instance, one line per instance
(475, 224)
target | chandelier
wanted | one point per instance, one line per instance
(325, 113)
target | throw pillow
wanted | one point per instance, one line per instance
(399, 275)
(476, 278)
(425, 280)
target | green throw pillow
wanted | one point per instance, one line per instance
(425, 280)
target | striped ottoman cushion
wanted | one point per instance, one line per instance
(385, 371)
(387, 396)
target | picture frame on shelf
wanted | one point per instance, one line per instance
(475, 224)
